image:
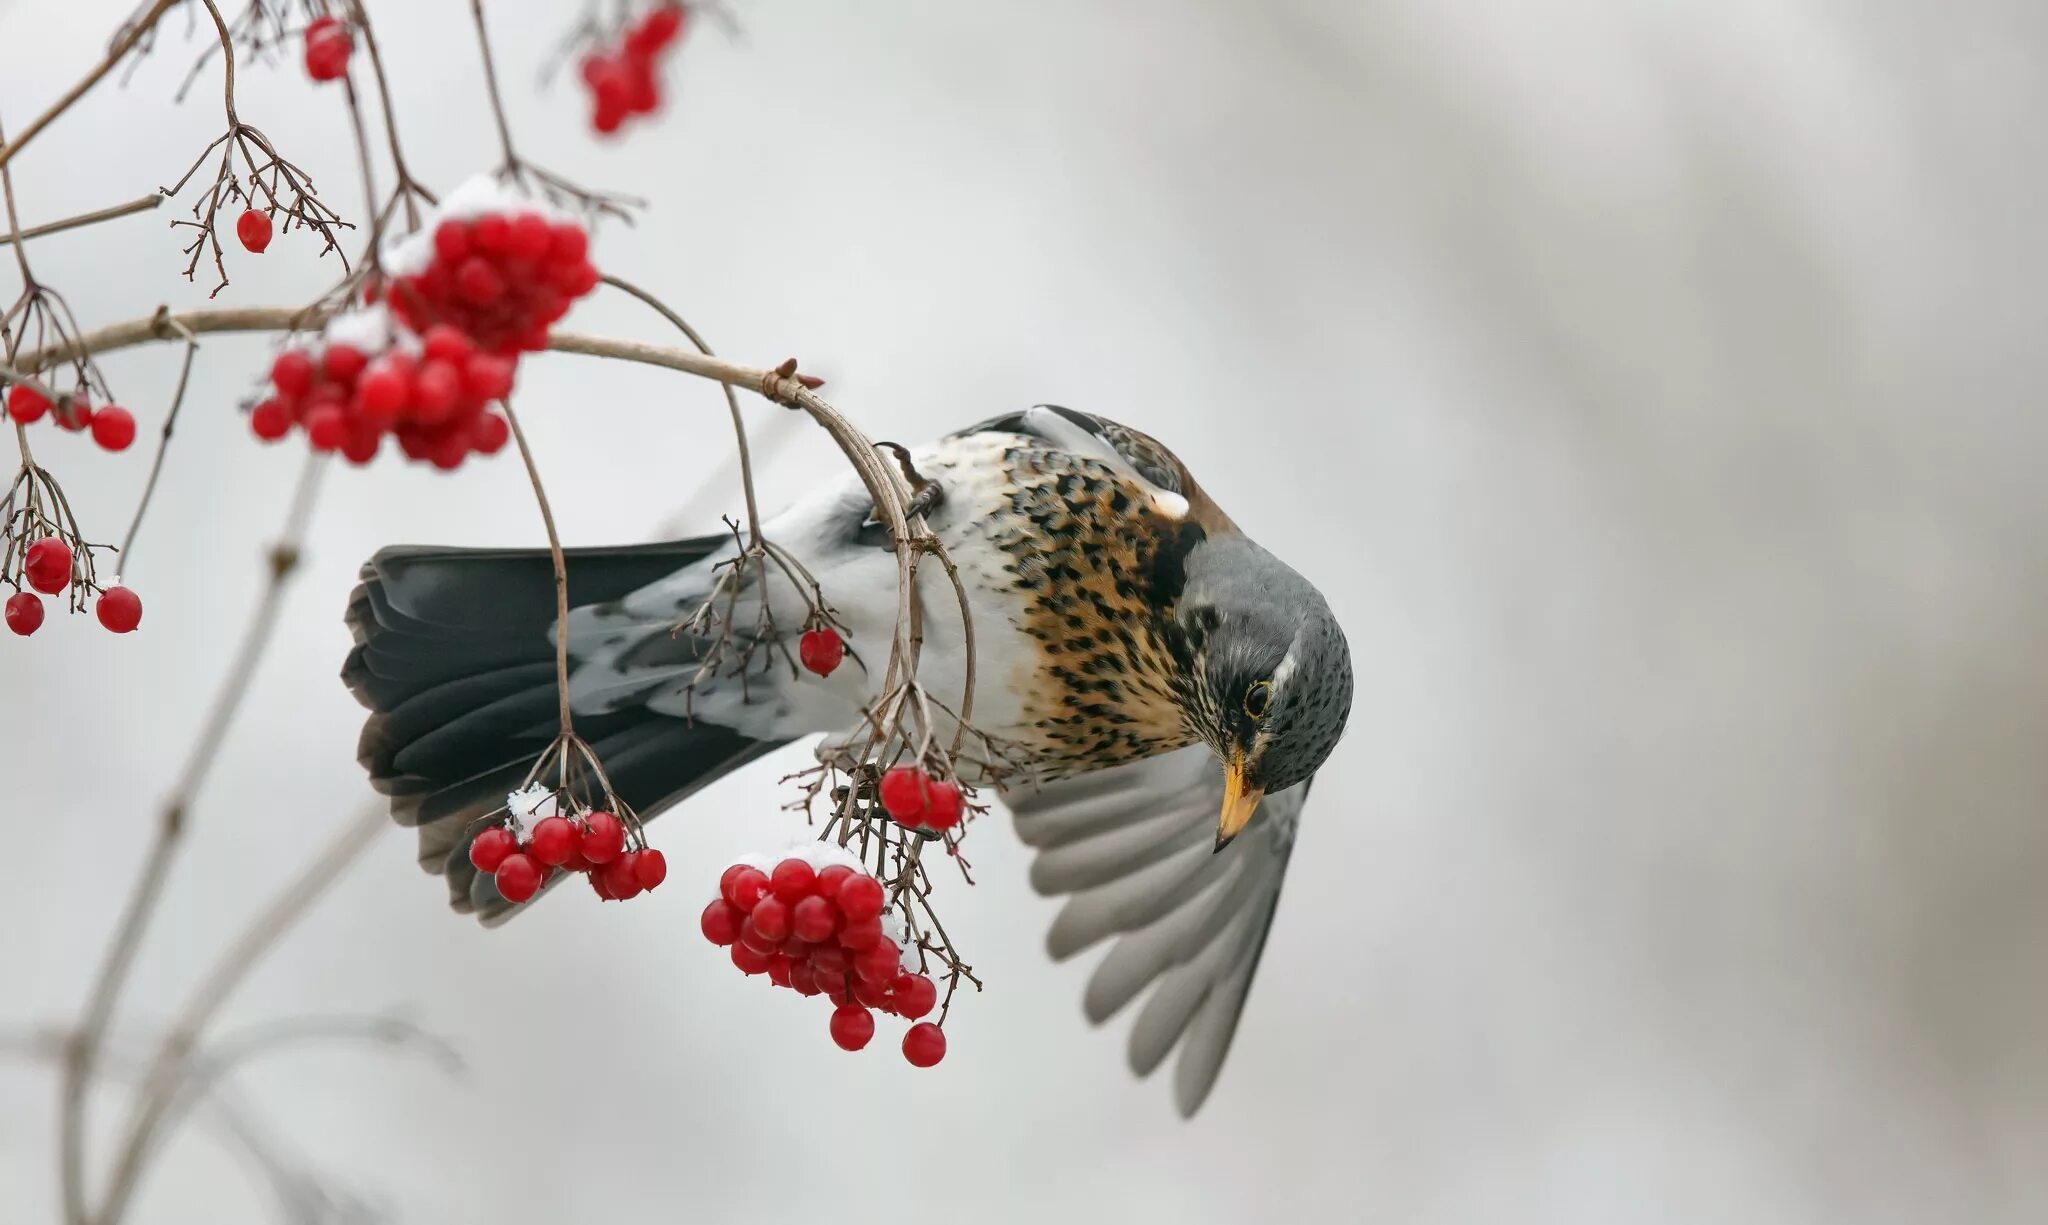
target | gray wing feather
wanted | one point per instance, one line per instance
(1132, 847)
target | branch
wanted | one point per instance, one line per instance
(140, 204)
(122, 46)
(113, 974)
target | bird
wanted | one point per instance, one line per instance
(1165, 688)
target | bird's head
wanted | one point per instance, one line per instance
(1270, 673)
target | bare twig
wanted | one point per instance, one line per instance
(141, 204)
(142, 902)
(163, 446)
(547, 518)
(130, 36)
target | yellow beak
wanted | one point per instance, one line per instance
(1239, 801)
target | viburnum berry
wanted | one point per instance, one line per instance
(25, 404)
(802, 979)
(828, 960)
(872, 994)
(253, 228)
(860, 934)
(491, 847)
(270, 421)
(821, 650)
(924, 1045)
(518, 878)
(119, 609)
(328, 48)
(47, 565)
(852, 1026)
(650, 868)
(113, 427)
(748, 959)
(813, 918)
(878, 963)
(754, 938)
(24, 613)
(74, 414)
(720, 921)
(792, 879)
(771, 917)
(624, 82)
(860, 897)
(915, 995)
(743, 886)
(620, 880)
(903, 793)
(554, 839)
(604, 837)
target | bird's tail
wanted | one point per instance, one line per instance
(454, 657)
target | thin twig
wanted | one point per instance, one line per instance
(483, 42)
(141, 906)
(561, 566)
(126, 552)
(140, 204)
(122, 45)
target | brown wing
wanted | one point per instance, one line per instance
(1146, 456)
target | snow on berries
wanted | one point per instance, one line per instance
(494, 264)
(814, 921)
(916, 800)
(625, 80)
(329, 44)
(821, 650)
(365, 379)
(538, 837)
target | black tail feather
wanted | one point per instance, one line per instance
(454, 660)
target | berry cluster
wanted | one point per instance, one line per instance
(916, 800)
(821, 650)
(625, 81)
(366, 380)
(51, 567)
(536, 842)
(112, 426)
(328, 48)
(815, 923)
(500, 278)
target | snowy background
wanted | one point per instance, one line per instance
(1654, 389)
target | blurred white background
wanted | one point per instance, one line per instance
(1654, 389)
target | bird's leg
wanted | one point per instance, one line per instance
(925, 494)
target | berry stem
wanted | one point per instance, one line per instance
(156, 468)
(561, 567)
(483, 42)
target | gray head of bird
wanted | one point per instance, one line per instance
(1269, 672)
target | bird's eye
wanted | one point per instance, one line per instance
(1257, 699)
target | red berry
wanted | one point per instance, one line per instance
(47, 565)
(852, 1026)
(598, 887)
(860, 934)
(488, 433)
(943, 804)
(771, 917)
(518, 878)
(924, 1045)
(443, 343)
(650, 869)
(382, 391)
(436, 391)
(750, 961)
(778, 970)
(802, 979)
(451, 241)
(827, 960)
(744, 886)
(292, 373)
(656, 30)
(253, 228)
(874, 995)
(492, 234)
(491, 847)
(836, 989)
(554, 840)
(830, 877)
(486, 377)
(916, 995)
(620, 880)
(860, 897)
(74, 414)
(880, 963)
(478, 282)
(754, 938)
(531, 237)
(25, 404)
(603, 837)
(904, 794)
(342, 363)
(24, 613)
(119, 609)
(813, 919)
(821, 650)
(571, 243)
(360, 446)
(720, 921)
(328, 47)
(113, 427)
(448, 451)
(327, 427)
(792, 879)
(270, 421)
